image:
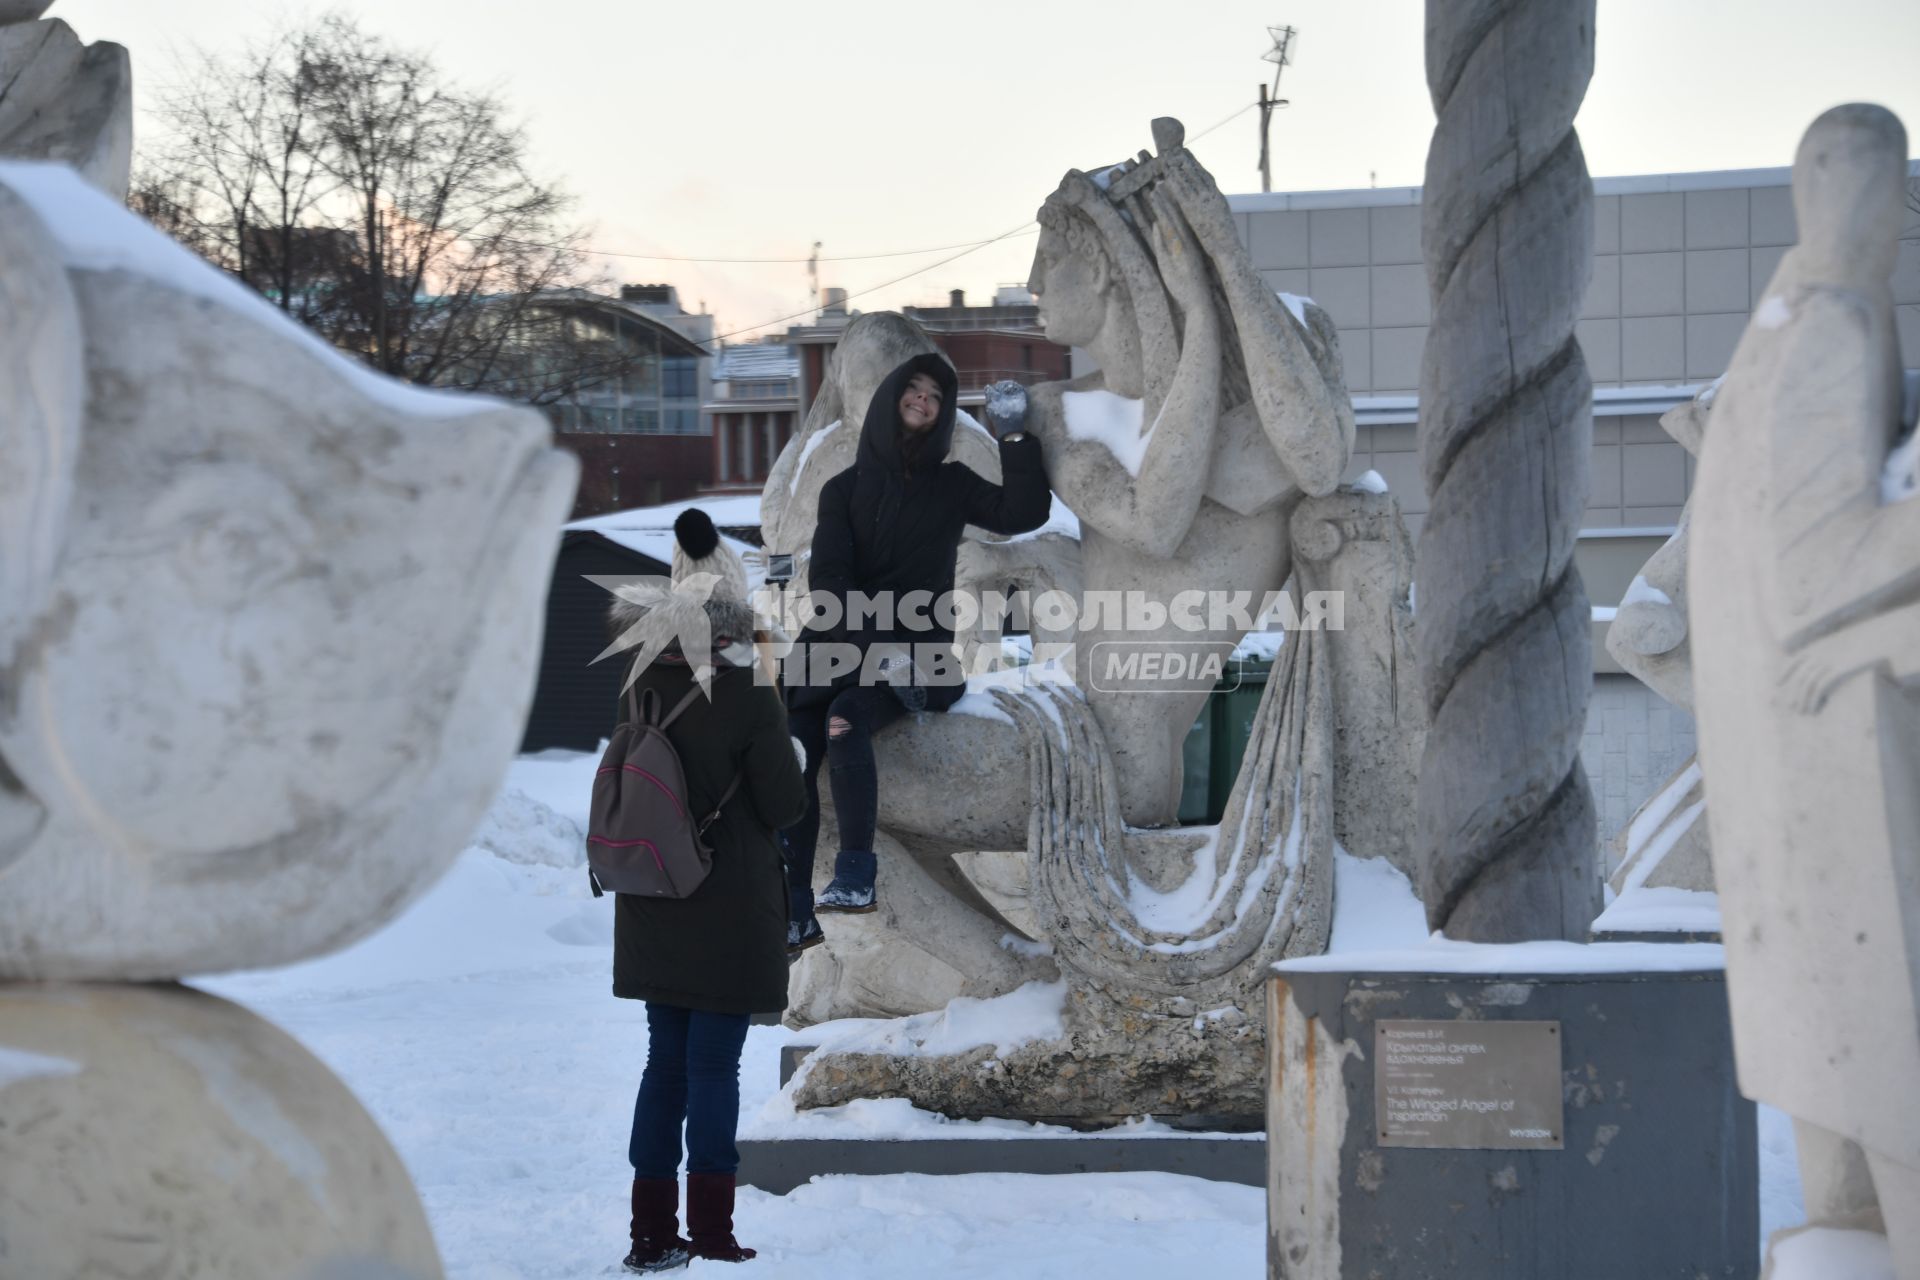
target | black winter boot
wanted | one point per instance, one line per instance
(710, 1218)
(657, 1245)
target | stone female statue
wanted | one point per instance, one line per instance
(1213, 413)
(1188, 458)
(1805, 609)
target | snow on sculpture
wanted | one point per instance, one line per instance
(268, 629)
(1507, 826)
(1804, 578)
(1188, 460)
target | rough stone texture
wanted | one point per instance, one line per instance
(1133, 1057)
(22, 10)
(64, 100)
(868, 968)
(1507, 843)
(286, 632)
(1666, 844)
(1805, 620)
(154, 1131)
(1356, 544)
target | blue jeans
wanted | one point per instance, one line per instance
(692, 1079)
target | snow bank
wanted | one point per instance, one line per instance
(1033, 1012)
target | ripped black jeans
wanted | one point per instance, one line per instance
(867, 709)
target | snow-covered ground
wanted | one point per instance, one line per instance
(480, 1031)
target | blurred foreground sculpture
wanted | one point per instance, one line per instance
(268, 630)
(1805, 611)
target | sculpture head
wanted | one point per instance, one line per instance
(1086, 269)
(1073, 276)
(1849, 194)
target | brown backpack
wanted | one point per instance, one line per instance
(641, 834)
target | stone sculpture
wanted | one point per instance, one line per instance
(1154, 927)
(1804, 607)
(268, 630)
(1664, 844)
(64, 100)
(268, 656)
(1507, 825)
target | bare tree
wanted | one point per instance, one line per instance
(388, 209)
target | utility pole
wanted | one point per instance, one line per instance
(813, 278)
(1281, 56)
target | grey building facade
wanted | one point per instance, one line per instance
(1680, 261)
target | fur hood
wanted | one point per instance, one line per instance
(653, 626)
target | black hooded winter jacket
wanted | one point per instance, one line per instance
(883, 528)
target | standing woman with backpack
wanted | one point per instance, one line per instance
(889, 525)
(704, 960)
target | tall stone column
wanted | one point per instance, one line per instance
(1507, 836)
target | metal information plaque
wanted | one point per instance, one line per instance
(1478, 1085)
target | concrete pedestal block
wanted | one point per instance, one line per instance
(154, 1131)
(1651, 1168)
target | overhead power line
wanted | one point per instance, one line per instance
(680, 257)
(885, 284)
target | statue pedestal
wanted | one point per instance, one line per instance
(1506, 1123)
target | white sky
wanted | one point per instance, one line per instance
(754, 127)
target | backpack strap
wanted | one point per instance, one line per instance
(724, 797)
(678, 707)
(701, 827)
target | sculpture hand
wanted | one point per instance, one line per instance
(1199, 198)
(1179, 255)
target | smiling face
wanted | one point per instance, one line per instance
(920, 403)
(1071, 289)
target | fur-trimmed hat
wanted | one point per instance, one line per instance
(707, 600)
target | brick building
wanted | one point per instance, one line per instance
(998, 342)
(754, 405)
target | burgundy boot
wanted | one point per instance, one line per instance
(657, 1245)
(710, 1218)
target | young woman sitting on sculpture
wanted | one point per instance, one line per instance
(888, 526)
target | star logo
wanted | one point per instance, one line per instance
(671, 615)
